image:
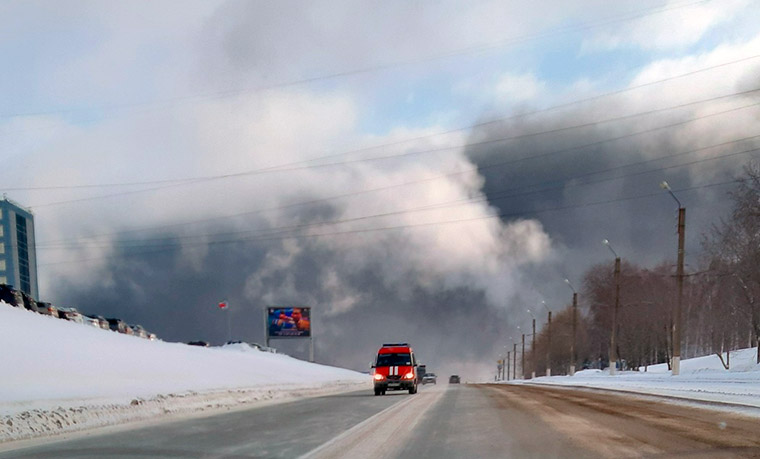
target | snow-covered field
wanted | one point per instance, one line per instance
(58, 376)
(701, 379)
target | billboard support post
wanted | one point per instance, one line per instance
(266, 327)
(311, 337)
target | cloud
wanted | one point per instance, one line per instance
(676, 27)
(518, 88)
(423, 247)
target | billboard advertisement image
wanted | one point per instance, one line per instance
(287, 322)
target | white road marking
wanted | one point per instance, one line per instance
(382, 435)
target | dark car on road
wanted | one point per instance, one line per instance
(454, 379)
(199, 343)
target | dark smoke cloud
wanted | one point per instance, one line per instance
(641, 230)
(178, 300)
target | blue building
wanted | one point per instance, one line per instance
(18, 256)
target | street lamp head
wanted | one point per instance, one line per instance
(609, 246)
(664, 185)
(567, 281)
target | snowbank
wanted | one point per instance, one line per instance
(702, 379)
(61, 376)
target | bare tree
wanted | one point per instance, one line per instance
(732, 248)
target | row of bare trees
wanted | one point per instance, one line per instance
(721, 302)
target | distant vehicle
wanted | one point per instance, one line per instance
(454, 379)
(119, 325)
(421, 370)
(395, 369)
(87, 320)
(152, 337)
(70, 314)
(11, 296)
(139, 331)
(199, 343)
(263, 348)
(429, 378)
(47, 309)
(256, 346)
(29, 302)
(102, 322)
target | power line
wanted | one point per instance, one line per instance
(624, 17)
(401, 142)
(499, 195)
(399, 227)
(433, 150)
(468, 170)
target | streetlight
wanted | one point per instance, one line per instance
(533, 348)
(676, 365)
(575, 322)
(613, 351)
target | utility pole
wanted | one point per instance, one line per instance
(679, 302)
(549, 346)
(548, 340)
(676, 364)
(613, 344)
(533, 352)
(508, 363)
(522, 359)
(514, 357)
(573, 358)
(573, 355)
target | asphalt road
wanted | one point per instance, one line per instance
(444, 421)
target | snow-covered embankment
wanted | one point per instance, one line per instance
(702, 379)
(59, 376)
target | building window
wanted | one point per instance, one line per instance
(1, 230)
(2, 246)
(23, 255)
(2, 265)
(3, 280)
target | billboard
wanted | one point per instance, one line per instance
(288, 322)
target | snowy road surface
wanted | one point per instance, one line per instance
(441, 421)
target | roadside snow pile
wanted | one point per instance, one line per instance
(62, 376)
(701, 379)
(742, 360)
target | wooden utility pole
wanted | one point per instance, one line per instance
(522, 358)
(679, 302)
(549, 346)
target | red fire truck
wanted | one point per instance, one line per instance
(395, 369)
